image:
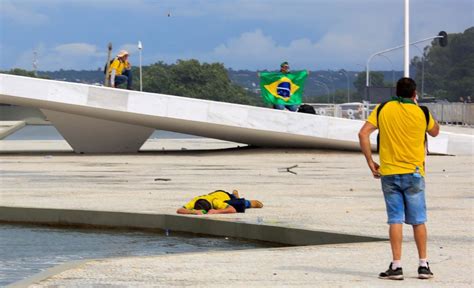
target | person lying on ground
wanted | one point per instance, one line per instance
(218, 202)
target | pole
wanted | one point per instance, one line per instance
(322, 84)
(393, 71)
(140, 55)
(333, 86)
(407, 40)
(391, 49)
(348, 86)
(422, 71)
(35, 63)
(107, 74)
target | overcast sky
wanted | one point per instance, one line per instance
(242, 34)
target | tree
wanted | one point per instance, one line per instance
(189, 78)
(448, 71)
(22, 72)
(376, 80)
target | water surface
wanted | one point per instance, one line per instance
(49, 132)
(27, 249)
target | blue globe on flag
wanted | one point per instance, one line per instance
(284, 89)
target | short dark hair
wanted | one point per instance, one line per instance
(406, 87)
(202, 204)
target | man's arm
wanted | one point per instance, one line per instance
(183, 210)
(227, 210)
(364, 140)
(433, 132)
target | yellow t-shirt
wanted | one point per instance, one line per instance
(217, 200)
(402, 128)
(118, 65)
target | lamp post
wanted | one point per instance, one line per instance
(406, 59)
(422, 71)
(107, 74)
(342, 71)
(333, 86)
(140, 47)
(442, 36)
(322, 84)
(393, 71)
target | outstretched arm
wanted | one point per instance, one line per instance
(364, 140)
(183, 210)
(227, 210)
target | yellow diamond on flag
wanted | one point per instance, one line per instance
(282, 88)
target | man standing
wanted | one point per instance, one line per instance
(120, 70)
(285, 69)
(402, 125)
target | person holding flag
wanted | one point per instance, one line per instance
(284, 90)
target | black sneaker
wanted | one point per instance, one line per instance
(424, 272)
(391, 274)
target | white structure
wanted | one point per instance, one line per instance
(106, 120)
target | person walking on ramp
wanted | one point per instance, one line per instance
(402, 126)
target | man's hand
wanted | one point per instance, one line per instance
(213, 211)
(374, 167)
(364, 140)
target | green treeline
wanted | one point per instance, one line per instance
(192, 79)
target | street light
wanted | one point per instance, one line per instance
(422, 71)
(107, 64)
(333, 86)
(442, 37)
(140, 47)
(348, 86)
(322, 84)
(393, 71)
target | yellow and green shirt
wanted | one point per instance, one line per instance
(118, 65)
(216, 198)
(402, 128)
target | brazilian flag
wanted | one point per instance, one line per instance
(283, 88)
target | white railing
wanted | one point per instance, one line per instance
(446, 113)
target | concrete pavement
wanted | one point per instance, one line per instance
(330, 192)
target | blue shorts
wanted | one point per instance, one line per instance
(405, 198)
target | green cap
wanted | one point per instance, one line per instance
(284, 63)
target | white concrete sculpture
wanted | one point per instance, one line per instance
(101, 119)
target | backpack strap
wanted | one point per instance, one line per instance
(426, 111)
(378, 113)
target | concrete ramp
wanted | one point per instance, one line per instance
(100, 119)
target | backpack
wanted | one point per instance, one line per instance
(425, 110)
(105, 66)
(305, 108)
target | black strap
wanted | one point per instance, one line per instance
(425, 110)
(378, 113)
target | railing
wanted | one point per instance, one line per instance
(452, 113)
(445, 113)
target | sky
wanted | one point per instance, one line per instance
(241, 34)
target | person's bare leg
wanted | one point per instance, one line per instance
(236, 193)
(420, 233)
(255, 204)
(396, 238)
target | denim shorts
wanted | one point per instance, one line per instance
(405, 198)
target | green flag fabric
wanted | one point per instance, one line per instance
(283, 88)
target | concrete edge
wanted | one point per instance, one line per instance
(190, 224)
(38, 277)
(12, 127)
